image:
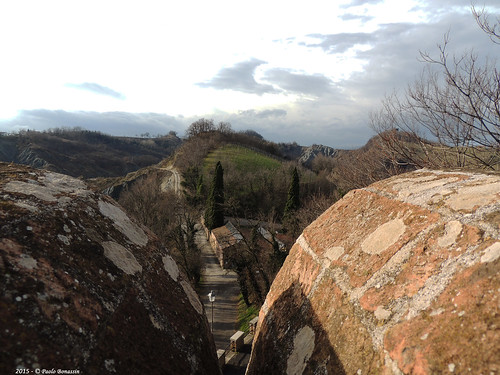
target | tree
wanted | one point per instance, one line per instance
(200, 126)
(169, 216)
(224, 127)
(450, 117)
(214, 213)
(290, 219)
(293, 200)
(252, 133)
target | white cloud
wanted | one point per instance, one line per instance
(97, 89)
(309, 72)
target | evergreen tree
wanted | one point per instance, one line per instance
(293, 200)
(199, 190)
(214, 213)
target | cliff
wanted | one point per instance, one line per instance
(402, 277)
(86, 288)
(85, 153)
(311, 152)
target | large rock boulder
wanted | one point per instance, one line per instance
(85, 288)
(401, 277)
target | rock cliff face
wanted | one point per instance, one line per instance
(310, 153)
(402, 277)
(84, 287)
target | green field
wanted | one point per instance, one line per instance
(242, 158)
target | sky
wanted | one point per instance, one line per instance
(310, 72)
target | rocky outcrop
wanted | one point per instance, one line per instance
(402, 277)
(86, 288)
(306, 154)
(311, 152)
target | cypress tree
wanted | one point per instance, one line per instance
(293, 200)
(214, 213)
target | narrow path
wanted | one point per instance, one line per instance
(172, 182)
(224, 284)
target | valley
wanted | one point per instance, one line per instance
(360, 253)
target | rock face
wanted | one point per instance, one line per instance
(402, 277)
(84, 287)
(310, 153)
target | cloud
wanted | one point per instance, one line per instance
(306, 123)
(432, 5)
(97, 89)
(340, 43)
(355, 3)
(350, 17)
(239, 77)
(308, 84)
(264, 114)
(393, 61)
(113, 123)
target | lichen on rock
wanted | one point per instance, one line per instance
(400, 277)
(85, 287)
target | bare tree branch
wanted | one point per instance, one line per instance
(454, 104)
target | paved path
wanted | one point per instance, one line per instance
(224, 283)
(236, 363)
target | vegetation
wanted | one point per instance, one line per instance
(450, 117)
(84, 153)
(293, 199)
(245, 314)
(290, 219)
(169, 216)
(214, 213)
(243, 158)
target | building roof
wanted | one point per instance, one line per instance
(227, 235)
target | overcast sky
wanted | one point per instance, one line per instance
(300, 71)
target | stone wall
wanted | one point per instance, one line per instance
(401, 277)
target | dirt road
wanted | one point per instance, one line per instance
(173, 181)
(224, 284)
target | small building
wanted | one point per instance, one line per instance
(223, 241)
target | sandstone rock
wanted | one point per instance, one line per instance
(84, 287)
(402, 277)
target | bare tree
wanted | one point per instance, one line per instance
(224, 127)
(450, 117)
(200, 126)
(483, 20)
(169, 217)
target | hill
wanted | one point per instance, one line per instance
(85, 153)
(243, 158)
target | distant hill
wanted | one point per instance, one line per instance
(88, 154)
(305, 154)
(85, 153)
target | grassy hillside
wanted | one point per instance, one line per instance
(255, 183)
(243, 159)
